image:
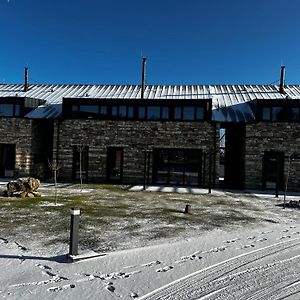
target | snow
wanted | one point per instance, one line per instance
(218, 263)
(254, 261)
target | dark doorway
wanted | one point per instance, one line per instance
(80, 162)
(114, 164)
(273, 170)
(7, 160)
(177, 166)
(234, 166)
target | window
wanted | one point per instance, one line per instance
(165, 113)
(199, 113)
(130, 112)
(17, 109)
(188, 113)
(114, 111)
(122, 111)
(280, 113)
(89, 109)
(103, 110)
(153, 113)
(177, 113)
(142, 112)
(295, 114)
(266, 114)
(6, 110)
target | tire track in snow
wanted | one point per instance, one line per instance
(212, 280)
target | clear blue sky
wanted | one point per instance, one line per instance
(185, 41)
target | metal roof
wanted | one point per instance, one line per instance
(230, 103)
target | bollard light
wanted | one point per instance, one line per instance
(74, 229)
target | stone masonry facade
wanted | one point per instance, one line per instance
(262, 137)
(134, 137)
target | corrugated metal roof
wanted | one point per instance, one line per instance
(229, 102)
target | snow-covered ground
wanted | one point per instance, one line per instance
(258, 260)
(247, 263)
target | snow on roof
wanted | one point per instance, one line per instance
(226, 99)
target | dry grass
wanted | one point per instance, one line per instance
(115, 218)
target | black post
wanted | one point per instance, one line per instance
(148, 168)
(75, 213)
(145, 169)
(209, 173)
(25, 79)
(143, 78)
(277, 178)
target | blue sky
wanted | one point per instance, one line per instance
(185, 42)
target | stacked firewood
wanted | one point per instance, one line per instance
(23, 187)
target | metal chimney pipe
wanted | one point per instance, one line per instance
(25, 79)
(143, 77)
(282, 74)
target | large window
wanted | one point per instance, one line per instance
(280, 113)
(177, 166)
(188, 113)
(9, 110)
(133, 110)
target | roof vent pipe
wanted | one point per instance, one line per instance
(282, 73)
(25, 79)
(143, 77)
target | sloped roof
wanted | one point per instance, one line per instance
(229, 102)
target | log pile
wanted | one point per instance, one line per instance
(23, 187)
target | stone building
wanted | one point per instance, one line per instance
(233, 136)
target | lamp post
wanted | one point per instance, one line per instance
(292, 157)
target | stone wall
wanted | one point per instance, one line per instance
(31, 144)
(134, 137)
(263, 137)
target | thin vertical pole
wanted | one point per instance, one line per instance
(209, 173)
(277, 178)
(143, 77)
(145, 169)
(286, 182)
(148, 168)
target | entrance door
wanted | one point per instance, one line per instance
(273, 169)
(234, 156)
(7, 160)
(114, 165)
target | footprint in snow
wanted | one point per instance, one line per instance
(251, 238)
(231, 241)
(152, 263)
(134, 295)
(184, 259)
(165, 269)
(261, 240)
(21, 247)
(110, 287)
(43, 267)
(248, 246)
(284, 237)
(266, 232)
(61, 288)
(285, 230)
(296, 232)
(5, 241)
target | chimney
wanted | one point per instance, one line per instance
(281, 86)
(143, 77)
(25, 79)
